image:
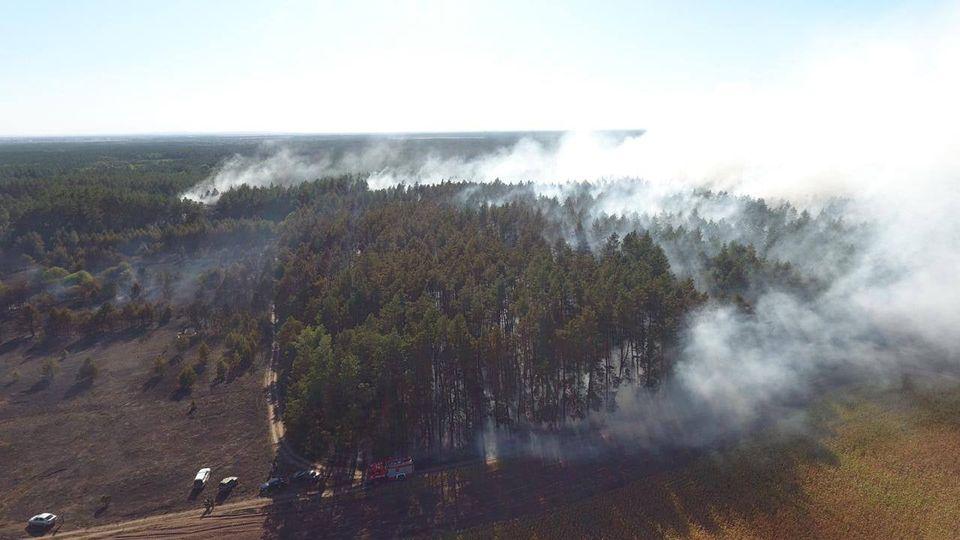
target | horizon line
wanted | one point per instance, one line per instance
(237, 134)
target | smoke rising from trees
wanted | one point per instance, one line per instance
(872, 123)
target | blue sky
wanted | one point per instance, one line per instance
(99, 67)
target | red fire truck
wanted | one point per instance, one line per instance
(390, 469)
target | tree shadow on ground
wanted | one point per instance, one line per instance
(13, 344)
(78, 388)
(179, 393)
(672, 492)
(48, 346)
(108, 338)
(42, 384)
(151, 382)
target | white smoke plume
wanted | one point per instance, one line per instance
(871, 116)
(877, 123)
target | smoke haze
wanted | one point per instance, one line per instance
(869, 117)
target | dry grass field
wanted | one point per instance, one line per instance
(128, 435)
(871, 465)
(877, 465)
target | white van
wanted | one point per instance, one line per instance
(42, 521)
(201, 479)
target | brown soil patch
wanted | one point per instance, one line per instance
(128, 435)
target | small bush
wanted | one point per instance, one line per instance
(78, 278)
(87, 371)
(222, 369)
(159, 365)
(54, 273)
(49, 370)
(187, 378)
(166, 313)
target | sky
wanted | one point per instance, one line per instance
(120, 67)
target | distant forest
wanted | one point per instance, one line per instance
(409, 319)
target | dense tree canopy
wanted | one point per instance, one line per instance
(421, 321)
(409, 318)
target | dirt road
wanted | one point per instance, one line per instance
(274, 419)
(238, 520)
(440, 501)
(333, 474)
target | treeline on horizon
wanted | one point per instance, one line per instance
(409, 318)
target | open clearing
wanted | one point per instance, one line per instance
(129, 435)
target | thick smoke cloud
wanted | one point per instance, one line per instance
(877, 124)
(871, 119)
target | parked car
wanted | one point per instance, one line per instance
(201, 479)
(228, 483)
(272, 485)
(42, 521)
(306, 475)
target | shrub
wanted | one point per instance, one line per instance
(49, 369)
(166, 313)
(79, 278)
(158, 365)
(87, 370)
(54, 273)
(222, 369)
(187, 378)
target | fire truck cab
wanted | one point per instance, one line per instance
(390, 469)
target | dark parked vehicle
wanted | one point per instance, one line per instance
(272, 485)
(228, 484)
(306, 476)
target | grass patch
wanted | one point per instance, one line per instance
(882, 465)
